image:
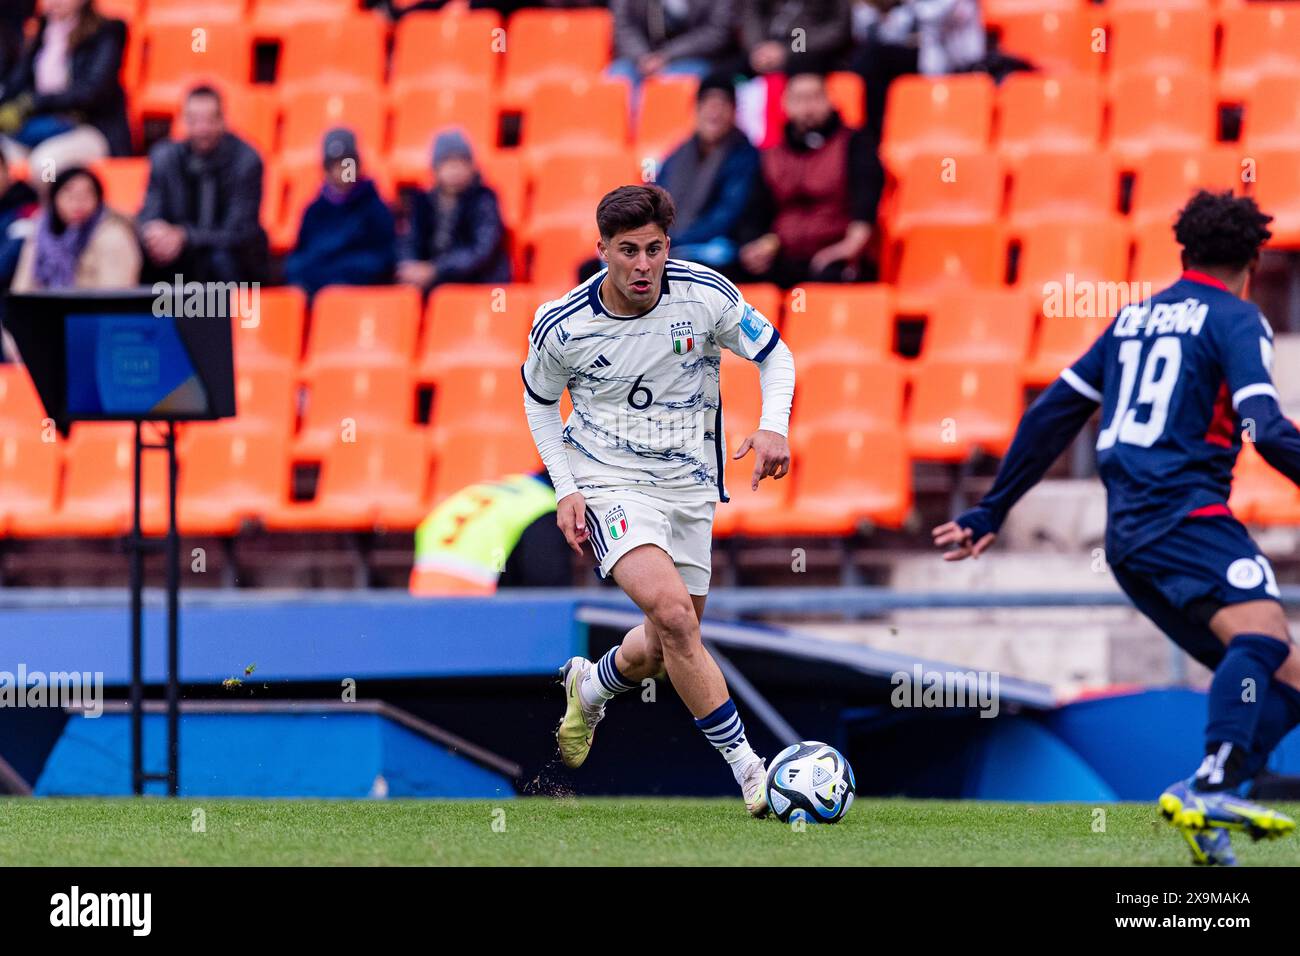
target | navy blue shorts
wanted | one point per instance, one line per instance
(1183, 578)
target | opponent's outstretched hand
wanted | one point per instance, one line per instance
(950, 534)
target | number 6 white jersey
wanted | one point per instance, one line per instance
(647, 410)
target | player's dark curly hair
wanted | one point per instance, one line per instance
(1220, 229)
(631, 207)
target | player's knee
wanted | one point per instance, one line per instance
(675, 623)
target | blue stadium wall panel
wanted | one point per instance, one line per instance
(308, 754)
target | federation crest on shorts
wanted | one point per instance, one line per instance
(616, 522)
(683, 334)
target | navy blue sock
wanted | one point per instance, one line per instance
(1237, 697)
(1280, 716)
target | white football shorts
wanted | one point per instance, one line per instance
(622, 520)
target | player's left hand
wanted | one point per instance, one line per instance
(771, 455)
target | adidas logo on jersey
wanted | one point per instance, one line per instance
(601, 362)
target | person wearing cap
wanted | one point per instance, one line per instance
(347, 235)
(711, 178)
(453, 232)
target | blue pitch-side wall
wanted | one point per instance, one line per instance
(267, 755)
(1125, 747)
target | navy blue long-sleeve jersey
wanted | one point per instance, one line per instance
(1179, 378)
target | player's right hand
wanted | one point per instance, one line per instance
(571, 516)
(950, 534)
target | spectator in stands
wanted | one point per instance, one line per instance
(930, 37)
(13, 17)
(670, 36)
(347, 236)
(771, 30)
(816, 200)
(62, 101)
(711, 178)
(19, 206)
(79, 243)
(454, 232)
(200, 214)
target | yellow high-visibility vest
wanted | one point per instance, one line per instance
(462, 546)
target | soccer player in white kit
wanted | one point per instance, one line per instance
(638, 467)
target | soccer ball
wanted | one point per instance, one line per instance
(810, 781)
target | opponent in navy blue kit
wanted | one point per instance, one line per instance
(1181, 379)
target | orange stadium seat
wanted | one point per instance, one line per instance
(288, 194)
(473, 324)
(1260, 494)
(942, 115)
(958, 407)
(29, 476)
(481, 395)
(575, 117)
(1157, 256)
(1164, 181)
(21, 411)
(845, 91)
(979, 325)
(470, 456)
(265, 404)
(273, 337)
(309, 114)
(229, 477)
(1056, 41)
(937, 257)
(353, 403)
(1259, 39)
(334, 54)
(1095, 251)
(1061, 340)
(363, 326)
(504, 171)
(1272, 114)
(1071, 187)
(276, 18)
(420, 113)
(175, 60)
(666, 116)
(1152, 111)
(97, 487)
(556, 251)
(948, 190)
(849, 393)
(447, 49)
(127, 10)
(1048, 114)
(567, 195)
(194, 11)
(847, 477)
(996, 12)
(379, 481)
(1161, 41)
(125, 180)
(554, 44)
(1114, 5)
(824, 320)
(1277, 190)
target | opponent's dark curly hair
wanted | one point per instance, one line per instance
(1220, 229)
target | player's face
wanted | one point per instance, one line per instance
(636, 261)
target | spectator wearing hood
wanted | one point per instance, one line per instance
(347, 235)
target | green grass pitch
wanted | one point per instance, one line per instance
(608, 832)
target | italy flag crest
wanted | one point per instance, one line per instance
(616, 522)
